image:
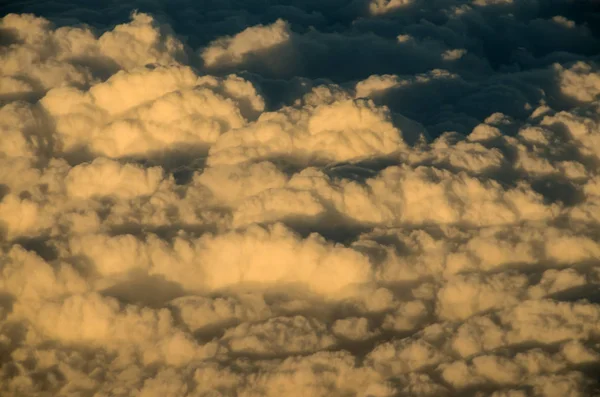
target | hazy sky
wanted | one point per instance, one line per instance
(384, 198)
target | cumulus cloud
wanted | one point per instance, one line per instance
(278, 335)
(46, 57)
(123, 181)
(260, 256)
(581, 81)
(324, 128)
(227, 51)
(376, 198)
(167, 107)
(100, 322)
(377, 7)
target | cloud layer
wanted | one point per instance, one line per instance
(367, 198)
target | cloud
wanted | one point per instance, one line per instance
(110, 177)
(579, 82)
(374, 198)
(378, 7)
(229, 51)
(453, 55)
(168, 107)
(147, 43)
(462, 297)
(278, 336)
(23, 217)
(201, 313)
(319, 374)
(355, 328)
(323, 129)
(30, 278)
(322, 267)
(23, 132)
(45, 57)
(99, 321)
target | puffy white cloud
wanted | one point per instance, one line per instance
(462, 297)
(556, 281)
(227, 51)
(23, 132)
(581, 128)
(353, 328)
(104, 177)
(27, 277)
(532, 369)
(44, 57)
(318, 374)
(232, 184)
(199, 312)
(332, 130)
(278, 335)
(141, 42)
(580, 82)
(375, 84)
(378, 7)
(166, 108)
(549, 322)
(22, 217)
(101, 322)
(405, 356)
(110, 255)
(427, 194)
(127, 90)
(544, 321)
(373, 199)
(263, 256)
(407, 317)
(453, 55)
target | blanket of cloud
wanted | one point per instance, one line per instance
(323, 198)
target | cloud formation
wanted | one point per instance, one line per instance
(373, 198)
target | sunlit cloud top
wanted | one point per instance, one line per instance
(321, 198)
